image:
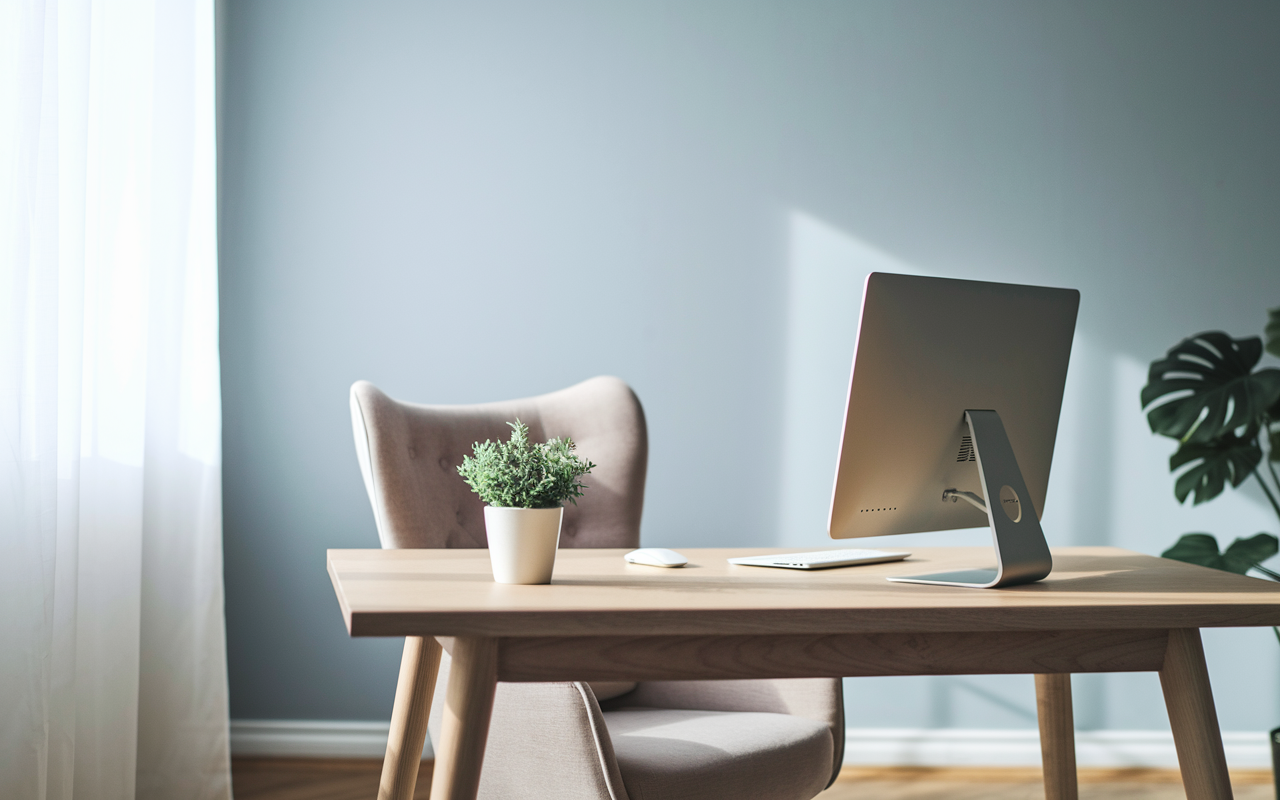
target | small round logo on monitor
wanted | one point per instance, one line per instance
(1010, 503)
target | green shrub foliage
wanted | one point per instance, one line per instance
(524, 474)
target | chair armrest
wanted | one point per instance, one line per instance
(545, 740)
(819, 699)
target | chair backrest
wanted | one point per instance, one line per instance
(409, 455)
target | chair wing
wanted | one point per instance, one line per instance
(409, 455)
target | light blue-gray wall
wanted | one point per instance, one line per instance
(474, 201)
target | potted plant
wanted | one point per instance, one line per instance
(1225, 415)
(524, 485)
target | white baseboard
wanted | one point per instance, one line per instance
(287, 738)
(863, 746)
(954, 747)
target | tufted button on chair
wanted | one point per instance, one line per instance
(765, 739)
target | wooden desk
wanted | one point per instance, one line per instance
(1102, 610)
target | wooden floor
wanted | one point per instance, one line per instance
(357, 779)
(905, 783)
(314, 779)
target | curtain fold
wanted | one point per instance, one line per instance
(112, 644)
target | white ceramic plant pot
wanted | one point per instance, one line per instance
(522, 543)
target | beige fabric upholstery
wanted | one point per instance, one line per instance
(771, 740)
(551, 740)
(817, 699)
(545, 740)
(552, 743)
(409, 455)
(669, 754)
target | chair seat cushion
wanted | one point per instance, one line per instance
(672, 754)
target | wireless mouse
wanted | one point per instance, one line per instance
(656, 557)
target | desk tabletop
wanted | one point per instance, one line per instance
(595, 592)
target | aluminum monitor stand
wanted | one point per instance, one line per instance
(1022, 555)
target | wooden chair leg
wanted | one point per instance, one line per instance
(465, 728)
(1057, 736)
(1189, 700)
(418, 668)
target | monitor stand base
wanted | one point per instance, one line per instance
(1022, 555)
(968, 578)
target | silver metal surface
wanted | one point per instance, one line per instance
(967, 578)
(928, 350)
(1022, 555)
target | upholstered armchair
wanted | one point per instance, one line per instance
(767, 739)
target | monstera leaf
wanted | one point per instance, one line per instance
(1204, 389)
(1227, 459)
(1272, 345)
(1272, 332)
(1242, 556)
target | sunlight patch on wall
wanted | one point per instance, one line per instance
(1077, 506)
(826, 272)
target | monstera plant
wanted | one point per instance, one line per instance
(1225, 414)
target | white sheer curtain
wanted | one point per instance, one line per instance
(112, 648)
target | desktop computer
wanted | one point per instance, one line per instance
(950, 422)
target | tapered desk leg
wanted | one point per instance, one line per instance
(465, 727)
(1057, 736)
(418, 668)
(1189, 700)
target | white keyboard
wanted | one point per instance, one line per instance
(821, 559)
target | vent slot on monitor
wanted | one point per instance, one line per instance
(967, 452)
(870, 510)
